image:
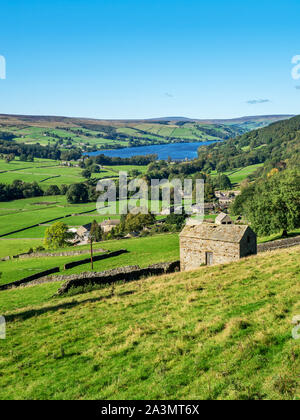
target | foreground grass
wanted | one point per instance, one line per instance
(217, 333)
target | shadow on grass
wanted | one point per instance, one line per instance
(22, 316)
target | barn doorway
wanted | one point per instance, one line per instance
(209, 258)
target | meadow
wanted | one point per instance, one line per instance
(37, 210)
(216, 333)
(73, 135)
(141, 251)
(237, 176)
(48, 172)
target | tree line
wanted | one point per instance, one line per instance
(10, 147)
(114, 161)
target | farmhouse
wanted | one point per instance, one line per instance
(223, 194)
(84, 231)
(207, 244)
(224, 202)
(109, 225)
(202, 208)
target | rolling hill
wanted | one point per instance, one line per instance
(90, 134)
(276, 144)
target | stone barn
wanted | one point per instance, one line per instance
(223, 219)
(207, 244)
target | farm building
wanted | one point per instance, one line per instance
(207, 244)
(225, 201)
(227, 194)
(109, 225)
(205, 208)
(223, 219)
(84, 231)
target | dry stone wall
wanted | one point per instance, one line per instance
(95, 258)
(43, 277)
(281, 243)
(126, 274)
(57, 254)
(29, 279)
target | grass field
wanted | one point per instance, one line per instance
(31, 211)
(217, 333)
(142, 251)
(238, 175)
(39, 210)
(277, 236)
(49, 172)
(9, 247)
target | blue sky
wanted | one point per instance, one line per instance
(142, 59)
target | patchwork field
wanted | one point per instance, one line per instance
(238, 175)
(37, 210)
(21, 214)
(51, 172)
(216, 333)
(142, 251)
(10, 247)
(85, 134)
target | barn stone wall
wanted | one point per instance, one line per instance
(248, 244)
(193, 252)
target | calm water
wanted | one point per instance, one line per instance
(177, 151)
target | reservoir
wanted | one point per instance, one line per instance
(176, 151)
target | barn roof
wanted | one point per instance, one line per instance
(113, 222)
(222, 233)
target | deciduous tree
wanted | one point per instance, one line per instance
(57, 236)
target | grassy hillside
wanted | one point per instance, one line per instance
(271, 145)
(216, 333)
(238, 175)
(89, 134)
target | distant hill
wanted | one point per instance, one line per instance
(277, 143)
(252, 119)
(7, 119)
(89, 135)
(241, 120)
